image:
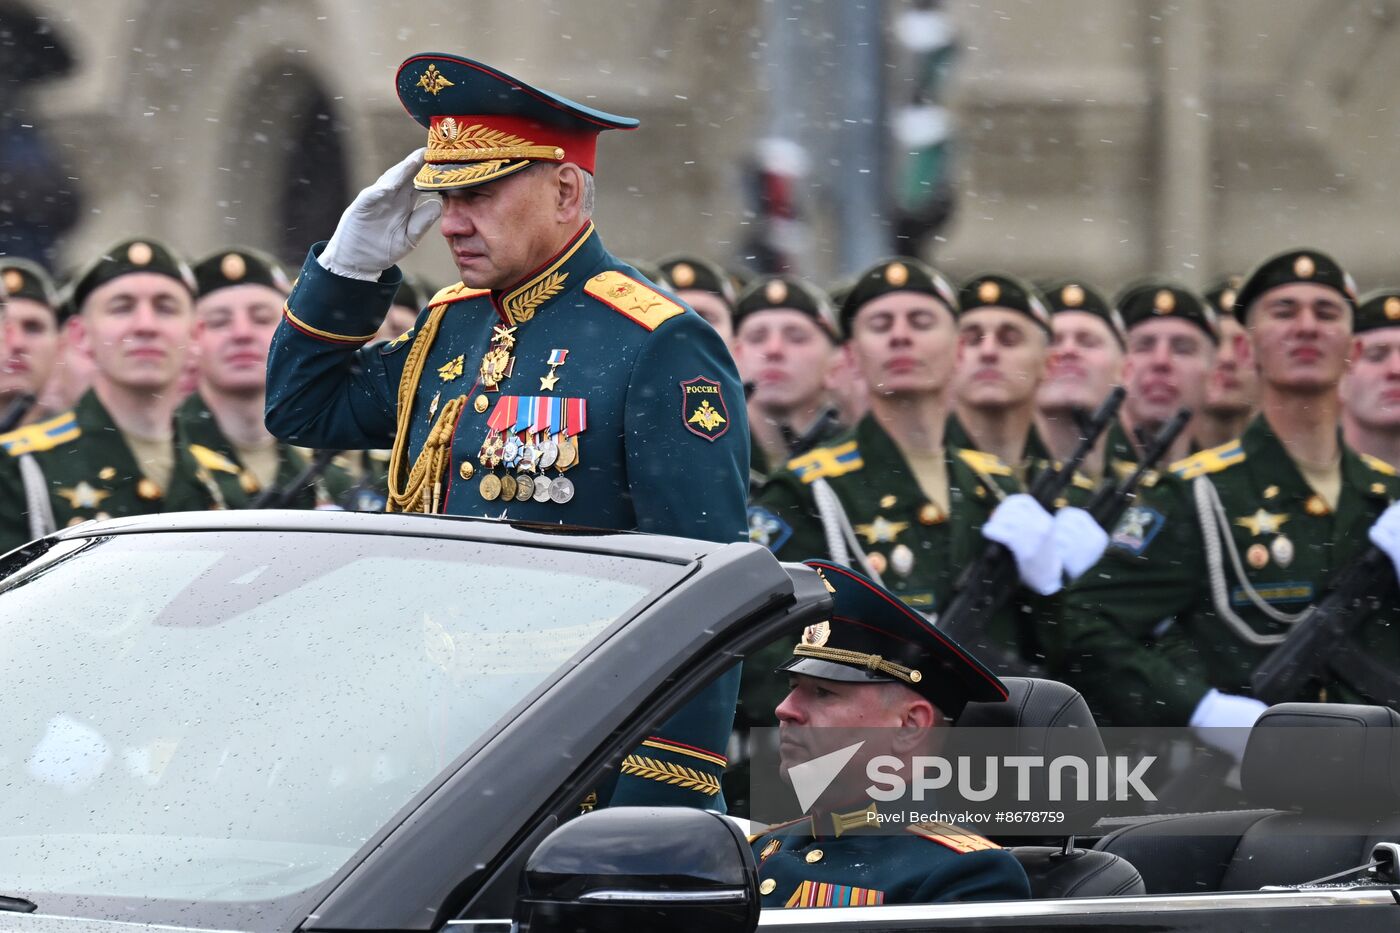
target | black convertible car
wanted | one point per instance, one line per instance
(339, 722)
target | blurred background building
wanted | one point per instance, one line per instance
(1100, 138)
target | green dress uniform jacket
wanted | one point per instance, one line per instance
(1165, 616)
(955, 435)
(200, 427)
(649, 391)
(91, 473)
(800, 865)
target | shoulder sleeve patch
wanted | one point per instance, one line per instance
(826, 462)
(45, 435)
(1209, 461)
(1136, 529)
(1377, 464)
(952, 837)
(458, 292)
(767, 528)
(630, 298)
(983, 462)
(212, 459)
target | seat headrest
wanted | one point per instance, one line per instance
(1326, 758)
(1041, 718)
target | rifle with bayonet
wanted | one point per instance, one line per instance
(1113, 497)
(1323, 643)
(280, 497)
(988, 583)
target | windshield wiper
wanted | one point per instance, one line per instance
(17, 905)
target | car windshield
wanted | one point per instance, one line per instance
(229, 716)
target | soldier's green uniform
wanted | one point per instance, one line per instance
(839, 858)
(199, 427)
(1206, 573)
(91, 473)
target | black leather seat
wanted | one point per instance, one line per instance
(1323, 801)
(1051, 719)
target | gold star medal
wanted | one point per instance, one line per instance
(84, 496)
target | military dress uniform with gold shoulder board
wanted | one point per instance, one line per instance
(91, 473)
(1145, 635)
(581, 395)
(202, 431)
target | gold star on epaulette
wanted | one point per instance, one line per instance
(84, 496)
(881, 531)
(1262, 523)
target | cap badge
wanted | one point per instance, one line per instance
(1227, 300)
(1164, 302)
(683, 275)
(776, 292)
(140, 254)
(1392, 307)
(1072, 296)
(433, 81)
(988, 292)
(816, 635)
(233, 267)
(897, 274)
(1304, 267)
(14, 280)
(449, 127)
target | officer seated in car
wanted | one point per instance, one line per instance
(879, 667)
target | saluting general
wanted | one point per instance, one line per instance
(553, 383)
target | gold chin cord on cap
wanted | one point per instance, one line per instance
(871, 662)
(419, 489)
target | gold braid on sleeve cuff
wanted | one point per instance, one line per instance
(872, 662)
(653, 769)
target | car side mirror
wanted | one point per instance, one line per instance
(641, 868)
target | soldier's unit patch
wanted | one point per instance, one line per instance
(767, 529)
(703, 411)
(1136, 529)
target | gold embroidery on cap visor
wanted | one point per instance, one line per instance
(460, 157)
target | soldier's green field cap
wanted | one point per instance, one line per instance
(1155, 298)
(24, 279)
(692, 273)
(994, 290)
(126, 258)
(484, 124)
(1377, 309)
(1298, 265)
(873, 637)
(897, 274)
(1075, 295)
(1221, 295)
(231, 267)
(787, 293)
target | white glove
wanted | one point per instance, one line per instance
(1079, 540)
(1027, 530)
(382, 225)
(1223, 721)
(1385, 533)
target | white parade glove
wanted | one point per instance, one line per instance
(382, 225)
(1079, 540)
(1223, 721)
(1027, 530)
(1385, 533)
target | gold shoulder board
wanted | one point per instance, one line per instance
(46, 435)
(632, 299)
(458, 292)
(983, 462)
(212, 459)
(1209, 461)
(952, 837)
(1377, 464)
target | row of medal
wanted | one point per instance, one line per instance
(528, 435)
